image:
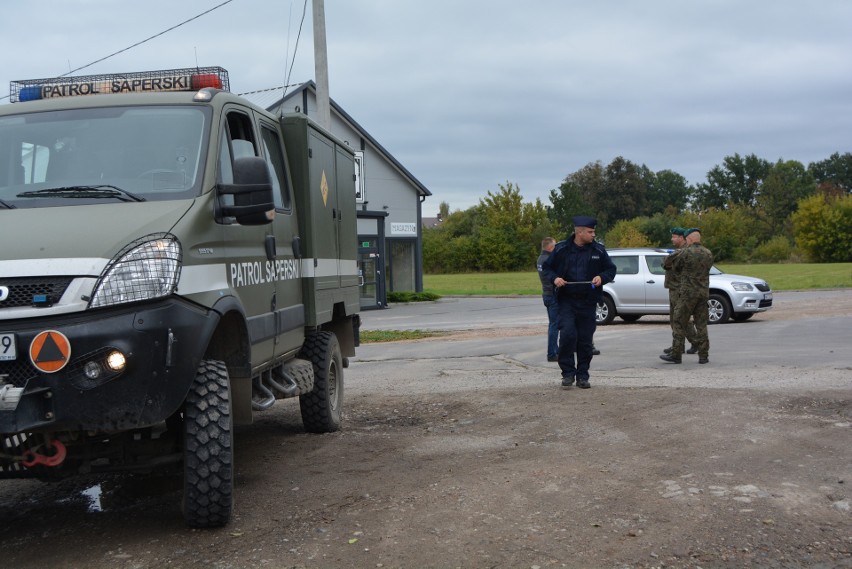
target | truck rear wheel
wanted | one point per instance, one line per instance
(321, 407)
(208, 498)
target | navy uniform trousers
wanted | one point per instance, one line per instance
(576, 333)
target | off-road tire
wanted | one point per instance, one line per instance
(321, 408)
(208, 498)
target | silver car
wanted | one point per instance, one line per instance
(638, 290)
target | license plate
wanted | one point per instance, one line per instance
(8, 350)
(767, 296)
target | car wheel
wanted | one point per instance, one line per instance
(630, 317)
(720, 309)
(742, 316)
(207, 448)
(605, 311)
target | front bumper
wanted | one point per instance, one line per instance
(751, 301)
(163, 343)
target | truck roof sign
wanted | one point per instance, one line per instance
(190, 79)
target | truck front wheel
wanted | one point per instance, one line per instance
(321, 407)
(208, 498)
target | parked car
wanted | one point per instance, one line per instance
(638, 290)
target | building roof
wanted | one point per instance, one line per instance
(272, 100)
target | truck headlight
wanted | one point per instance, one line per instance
(147, 268)
(742, 287)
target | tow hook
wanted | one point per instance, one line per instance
(31, 458)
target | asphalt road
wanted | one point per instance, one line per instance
(773, 349)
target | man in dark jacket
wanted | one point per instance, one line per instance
(578, 268)
(547, 245)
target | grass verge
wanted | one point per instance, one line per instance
(787, 276)
(376, 336)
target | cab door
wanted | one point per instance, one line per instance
(245, 246)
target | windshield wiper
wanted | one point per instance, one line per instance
(6, 205)
(97, 191)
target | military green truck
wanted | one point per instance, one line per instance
(174, 261)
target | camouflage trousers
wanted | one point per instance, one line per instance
(695, 307)
(689, 330)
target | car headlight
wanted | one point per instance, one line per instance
(147, 268)
(742, 287)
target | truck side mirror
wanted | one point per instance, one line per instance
(252, 190)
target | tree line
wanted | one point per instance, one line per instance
(749, 210)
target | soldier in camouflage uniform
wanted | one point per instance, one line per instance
(672, 282)
(693, 266)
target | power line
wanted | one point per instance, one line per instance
(144, 41)
(268, 89)
(296, 47)
(148, 39)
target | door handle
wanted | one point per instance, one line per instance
(652, 281)
(271, 251)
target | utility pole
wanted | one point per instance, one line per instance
(321, 65)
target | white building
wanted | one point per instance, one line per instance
(390, 200)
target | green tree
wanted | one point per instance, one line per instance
(736, 181)
(573, 196)
(822, 226)
(609, 194)
(624, 194)
(510, 230)
(658, 227)
(729, 233)
(450, 247)
(834, 172)
(666, 189)
(786, 183)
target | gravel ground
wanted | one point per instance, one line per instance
(464, 451)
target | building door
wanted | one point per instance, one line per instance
(371, 281)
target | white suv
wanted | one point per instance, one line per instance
(638, 290)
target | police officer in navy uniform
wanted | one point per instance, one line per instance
(547, 245)
(578, 268)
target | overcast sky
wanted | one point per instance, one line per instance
(470, 94)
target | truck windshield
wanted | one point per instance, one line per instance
(82, 156)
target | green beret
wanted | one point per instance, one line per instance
(678, 231)
(691, 230)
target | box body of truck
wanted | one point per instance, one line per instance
(173, 262)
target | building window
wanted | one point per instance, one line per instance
(400, 273)
(359, 177)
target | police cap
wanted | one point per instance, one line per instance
(584, 221)
(678, 231)
(691, 230)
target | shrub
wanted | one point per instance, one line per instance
(626, 233)
(775, 250)
(823, 228)
(410, 296)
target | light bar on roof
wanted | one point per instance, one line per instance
(191, 79)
